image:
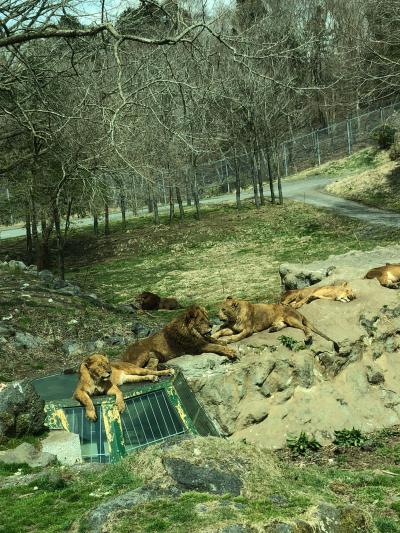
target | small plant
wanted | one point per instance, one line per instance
(384, 136)
(291, 343)
(302, 444)
(349, 437)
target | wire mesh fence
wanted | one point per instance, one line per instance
(294, 155)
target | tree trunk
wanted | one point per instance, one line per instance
(123, 210)
(60, 243)
(155, 211)
(43, 251)
(255, 185)
(237, 182)
(29, 246)
(171, 206)
(96, 224)
(33, 219)
(257, 161)
(149, 200)
(188, 193)
(279, 181)
(179, 199)
(106, 220)
(267, 161)
(196, 201)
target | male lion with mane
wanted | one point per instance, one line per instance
(388, 275)
(189, 333)
(298, 297)
(98, 376)
(242, 318)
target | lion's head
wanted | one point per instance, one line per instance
(98, 367)
(196, 319)
(346, 292)
(229, 310)
(148, 301)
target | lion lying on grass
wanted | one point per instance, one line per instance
(388, 275)
(151, 302)
(189, 333)
(242, 318)
(98, 376)
(297, 298)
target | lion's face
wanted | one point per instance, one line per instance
(197, 318)
(98, 366)
(346, 292)
(229, 310)
(148, 300)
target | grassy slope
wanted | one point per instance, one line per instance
(368, 480)
(223, 253)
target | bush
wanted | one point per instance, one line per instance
(291, 343)
(302, 444)
(349, 437)
(384, 136)
(394, 152)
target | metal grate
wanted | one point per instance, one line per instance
(94, 444)
(148, 419)
(201, 421)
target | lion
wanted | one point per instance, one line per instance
(242, 318)
(189, 333)
(151, 302)
(388, 275)
(98, 376)
(297, 298)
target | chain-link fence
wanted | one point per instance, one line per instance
(292, 156)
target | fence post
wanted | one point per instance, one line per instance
(285, 157)
(349, 135)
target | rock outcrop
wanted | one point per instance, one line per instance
(272, 392)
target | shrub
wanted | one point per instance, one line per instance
(291, 343)
(394, 152)
(349, 437)
(384, 136)
(302, 444)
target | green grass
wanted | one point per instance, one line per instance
(225, 254)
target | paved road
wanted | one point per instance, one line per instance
(309, 190)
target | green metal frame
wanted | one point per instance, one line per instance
(56, 417)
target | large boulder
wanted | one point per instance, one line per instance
(26, 453)
(21, 410)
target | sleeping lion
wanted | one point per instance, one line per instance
(242, 318)
(298, 297)
(388, 275)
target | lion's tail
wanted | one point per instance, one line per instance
(310, 326)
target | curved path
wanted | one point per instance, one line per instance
(309, 191)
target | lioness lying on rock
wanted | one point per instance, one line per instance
(189, 333)
(98, 376)
(297, 298)
(388, 275)
(151, 302)
(242, 318)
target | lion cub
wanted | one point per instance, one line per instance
(98, 376)
(242, 318)
(388, 275)
(297, 298)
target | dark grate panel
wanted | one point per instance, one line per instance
(92, 435)
(148, 419)
(201, 421)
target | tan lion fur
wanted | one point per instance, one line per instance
(388, 275)
(242, 318)
(298, 297)
(189, 333)
(98, 376)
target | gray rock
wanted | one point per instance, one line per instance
(28, 341)
(280, 527)
(26, 453)
(141, 330)
(278, 499)
(116, 340)
(96, 520)
(235, 528)
(17, 266)
(64, 445)
(202, 478)
(6, 330)
(59, 283)
(341, 519)
(21, 410)
(375, 377)
(70, 290)
(45, 276)
(72, 347)
(195, 366)
(32, 269)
